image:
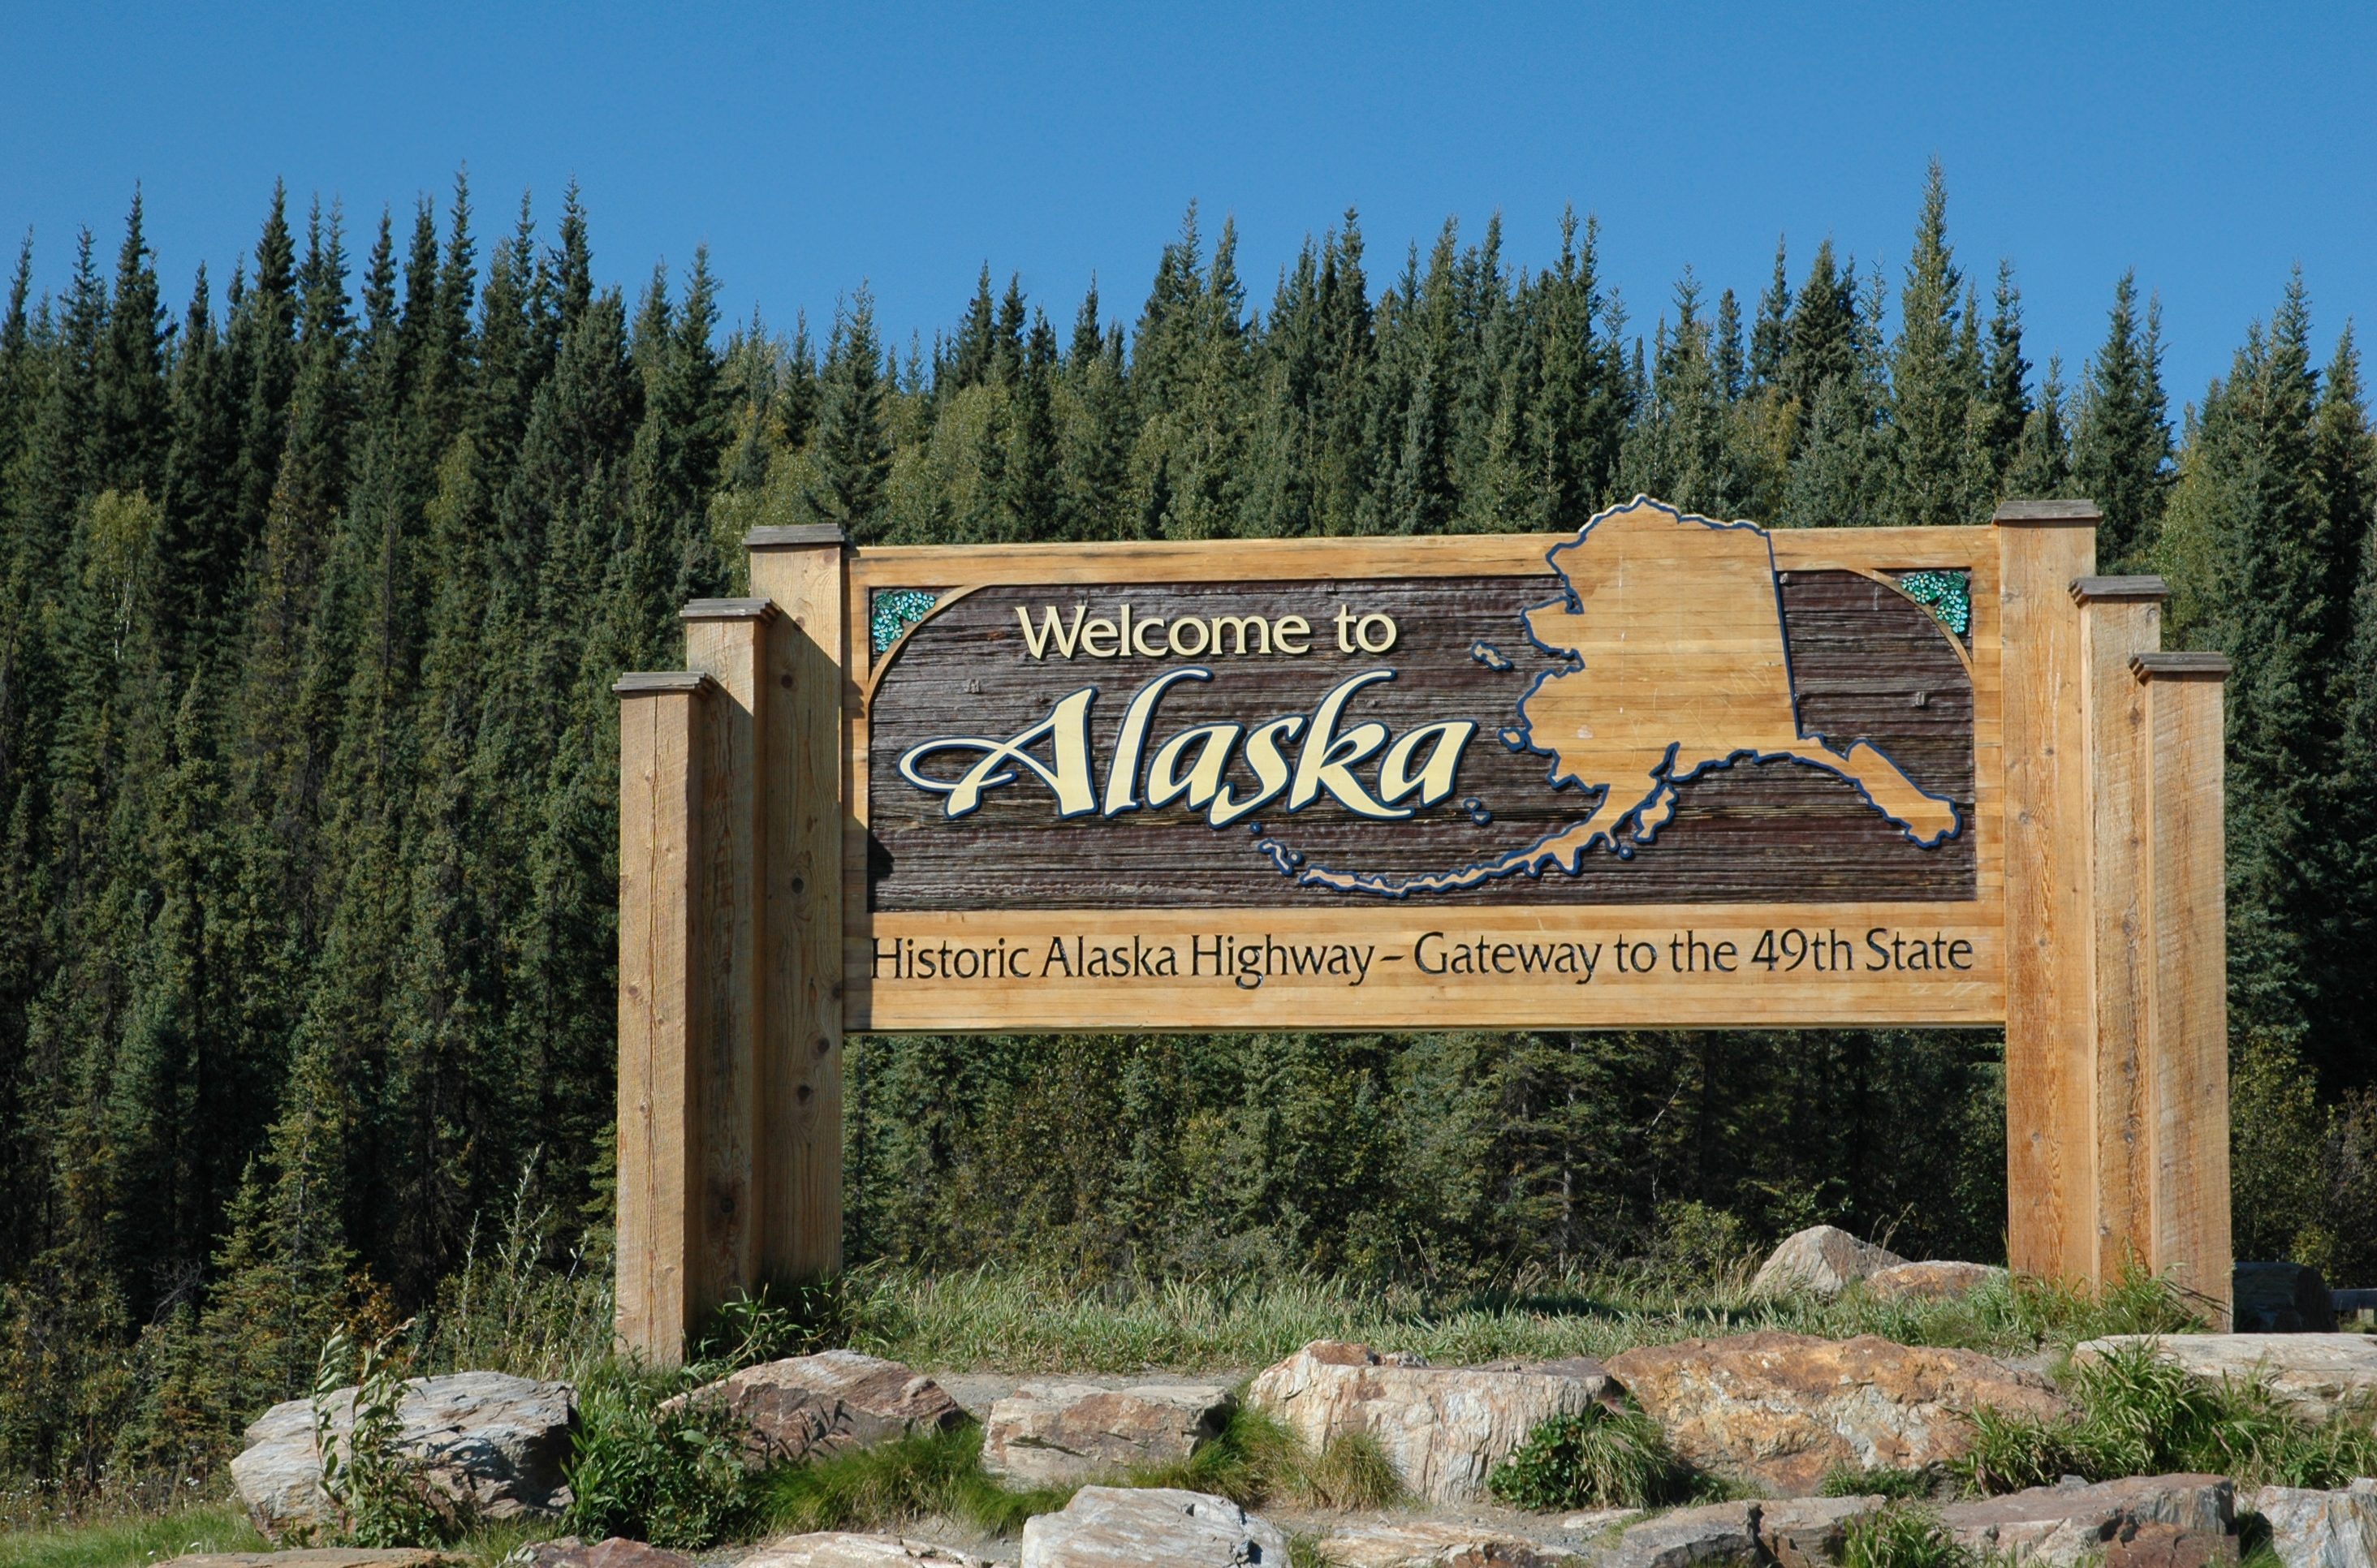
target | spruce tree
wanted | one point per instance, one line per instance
(851, 450)
(1929, 393)
(2120, 447)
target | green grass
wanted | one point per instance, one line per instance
(935, 1475)
(1022, 1322)
(1596, 1458)
(1899, 1485)
(1903, 1537)
(119, 1541)
(2138, 1415)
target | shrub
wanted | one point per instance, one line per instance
(877, 1488)
(1596, 1457)
(375, 1488)
(672, 1477)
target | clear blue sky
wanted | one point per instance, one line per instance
(2210, 146)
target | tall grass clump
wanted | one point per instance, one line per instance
(670, 1475)
(2138, 1414)
(1903, 1537)
(1595, 1458)
(928, 1475)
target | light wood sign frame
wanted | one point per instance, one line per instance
(1662, 772)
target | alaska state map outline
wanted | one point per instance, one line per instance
(1643, 660)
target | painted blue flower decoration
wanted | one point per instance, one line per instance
(1948, 595)
(896, 610)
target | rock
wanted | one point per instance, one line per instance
(1721, 1532)
(2059, 1526)
(1805, 1532)
(2315, 1373)
(1437, 1543)
(1593, 1520)
(1057, 1433)
(617, 1553)
(1779, 1410)
(1442, 1428)
(1107, 1526)
(2151, 1544)
(320, 1557)
(1823, 1260)
(824, 1403)
(1930, 1282)
(2282, 1297)
(2320, 1529)
(489, 1446)
(836, 1548)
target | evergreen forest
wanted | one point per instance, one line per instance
(313, 587)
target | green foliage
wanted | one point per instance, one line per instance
(2141, 1415)
(1899, 1485)
(374, 1487)
(674, 1478)
(888, 1484)
(1596, 1458)
(145, 1537)
(1902, 1536)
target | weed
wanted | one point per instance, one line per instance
(1900, 1486)
(1900, 1537)
(374, 1487)
(1594, 1458)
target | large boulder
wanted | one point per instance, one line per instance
(2320, 1529)
(2314, 1372)
(1442, 1428)
(821, 1404)
(1058, 1433)
(618, 1552)
(1823, 1260)
(1781, 1410)
(1930, 1282)
(2056, 1526)
(487, 1445)
(1106, 1527)
(1437, 1543)
(838, 1549)
(1720, 1533)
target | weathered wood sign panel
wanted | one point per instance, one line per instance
(1662, 770)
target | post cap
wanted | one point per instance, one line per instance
(2179, 666)
(660, 683)
(2091, 590)
(2017, 513)
(796, 536)
(728, 609)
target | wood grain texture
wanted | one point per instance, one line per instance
(801, 1041)
(728, 646)
(2117, 622)
(2187, 1000)
(659, 1019)
(1867, 664)
(2051, 1046)
(1110, 974)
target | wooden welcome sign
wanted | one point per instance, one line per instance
(1664, 771)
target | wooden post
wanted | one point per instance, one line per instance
(725, 639)
(2119, 618)
(2050, 1045)
(661, 1022)
(2187, 1000)
(801, 570)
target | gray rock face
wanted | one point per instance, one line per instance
(1720, 1533)
(1930, 1282)
(2315, 1373)
(2321, 1529)
(1133, 1527)
(1443, 1428)
(837, 1549)
(821, 1404)
(1437, 1543)
(490, 1445)
(1823, 1260)
(1057, 1433)
(319, 1557)
(1806, 1532)
(617, 1553)
(2056, 1527)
